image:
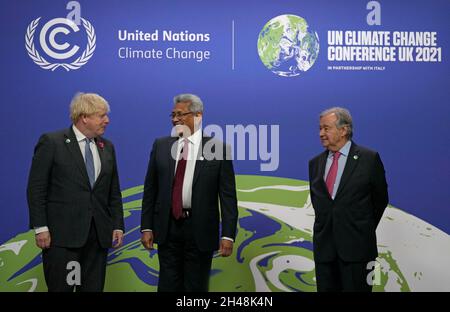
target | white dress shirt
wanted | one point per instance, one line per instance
(194, 142)
(82, 143)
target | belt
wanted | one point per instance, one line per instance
(186, 214)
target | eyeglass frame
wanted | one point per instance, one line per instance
(179, 116)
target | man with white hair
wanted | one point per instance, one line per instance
(349, 194)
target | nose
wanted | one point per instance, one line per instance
(176, 118)
(106, 119)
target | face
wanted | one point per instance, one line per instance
(95, 124)
(181, 116)
(331, 137)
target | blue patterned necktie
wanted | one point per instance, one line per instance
(89, 160)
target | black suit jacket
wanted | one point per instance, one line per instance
(346, 225)
(61, 198)
(213, 181)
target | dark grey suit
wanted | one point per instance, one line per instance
(213, 181)
(344, 228)
(61, 198)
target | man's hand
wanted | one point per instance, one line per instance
(226, 247)
(43, 240)
(117, 238)
(147, 240)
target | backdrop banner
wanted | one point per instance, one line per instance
(264, 70)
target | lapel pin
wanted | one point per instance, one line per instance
(100, 144)
(67, 141)
(355, 157)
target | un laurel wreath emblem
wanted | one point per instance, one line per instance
(43, 63)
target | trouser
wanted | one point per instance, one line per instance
(183, 267)
(339, 275)
(81, 269)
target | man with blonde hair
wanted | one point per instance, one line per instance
(74, 198)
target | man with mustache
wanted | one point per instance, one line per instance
(180, 208)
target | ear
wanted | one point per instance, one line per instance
(344, 131)
(84, 119)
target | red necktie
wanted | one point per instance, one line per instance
(177, 190)
(332, 173)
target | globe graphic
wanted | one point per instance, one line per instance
(273, 249)
(286, 46)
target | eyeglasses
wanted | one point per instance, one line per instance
(179, 115)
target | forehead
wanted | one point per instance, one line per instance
(181, 106)
(328, 119)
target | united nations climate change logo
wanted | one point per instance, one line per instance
(56, 50)
(286, 46)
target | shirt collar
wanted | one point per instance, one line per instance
(78, 134)
(345, 150)
(194, 138)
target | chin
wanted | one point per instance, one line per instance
(181, 129)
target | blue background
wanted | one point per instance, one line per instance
(402, 112)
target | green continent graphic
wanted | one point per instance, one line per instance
(286, 47)
(272, 252)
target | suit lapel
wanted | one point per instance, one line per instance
(322, 164)
(172, 160)
(101, 153)
(199, 162)
(74, 150)
(350, 165)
